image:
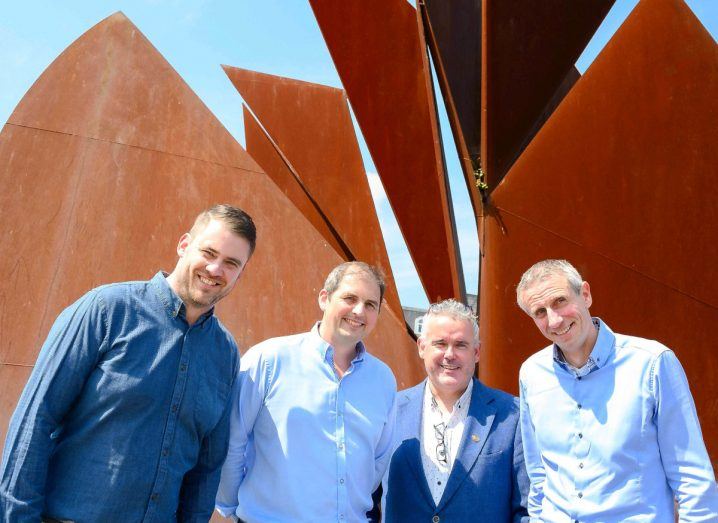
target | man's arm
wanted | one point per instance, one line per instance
(683, 452)
(385, 445)
(248, 397)
(520, 490)
(532, 459)
(66, 359)
(199, 485)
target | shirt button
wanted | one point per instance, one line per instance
(435, 519)
(579, 405)
(174, 408)
(580, 465)
(341, 481)
(580, 494)
(183, 367)
(154, 497)
(580, 435)
(578, 378)
(341, 446)
(341, 516)
(166, 452)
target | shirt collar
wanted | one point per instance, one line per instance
(461, 407)
(326, 351)
(173, 303)
(602, 350)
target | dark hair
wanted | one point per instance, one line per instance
(354, 267)
(238, 221)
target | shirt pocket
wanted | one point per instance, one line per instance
(211, 400)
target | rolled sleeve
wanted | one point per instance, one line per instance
(532, 458)
(683, 452)
(248, 397)
(67, 357)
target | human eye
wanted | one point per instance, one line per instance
(540, 313)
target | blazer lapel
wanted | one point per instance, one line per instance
(410, 408)
(476, 430)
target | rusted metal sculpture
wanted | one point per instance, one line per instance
(508, 63)
(313, 132)
(380, 55)
(110, 155)
(619, 182)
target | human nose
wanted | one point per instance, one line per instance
(214, 268)
(449, 353)
(554, 319)
(358, 308)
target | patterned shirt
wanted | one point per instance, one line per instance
(440, 438)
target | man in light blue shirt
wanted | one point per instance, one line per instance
(609, 428)
(313, 418)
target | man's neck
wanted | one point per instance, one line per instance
(344, 353)
(445, 402)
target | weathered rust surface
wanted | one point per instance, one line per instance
(528, 50)
(619, 181)
(380, 55)
(454, 39)
(266, 153)
(312, 129)
(110, 156)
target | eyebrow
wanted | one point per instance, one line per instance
(229, 258)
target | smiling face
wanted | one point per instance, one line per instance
(450, 352)
(210, 264)
(562, 316)
(351, 311)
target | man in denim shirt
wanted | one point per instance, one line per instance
(126, 414)
(609, 428)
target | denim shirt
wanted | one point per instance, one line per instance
(305, 444)
(126, 414)
(615, 440)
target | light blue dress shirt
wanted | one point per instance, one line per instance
(616, 439)
(125, 417)
(304, 444)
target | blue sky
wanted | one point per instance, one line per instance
(273, 36)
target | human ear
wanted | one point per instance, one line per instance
(184, 242)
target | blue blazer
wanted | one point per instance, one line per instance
(488, 482)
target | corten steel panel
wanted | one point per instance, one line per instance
(311, 126)
(261, 148)
(380, 56)
(528, 49)
(620, 180)
(12, 380)
(87, 208)
(453, 32)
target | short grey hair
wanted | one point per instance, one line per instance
(545, 269)
(455, 310)
(355, 267)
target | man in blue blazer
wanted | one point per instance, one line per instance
(458, 454)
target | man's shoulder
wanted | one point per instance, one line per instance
(378, 366)
(277, 348)
(120, 291)
(639, 347)
(501, 399)
(542, 359)
(411, 395)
